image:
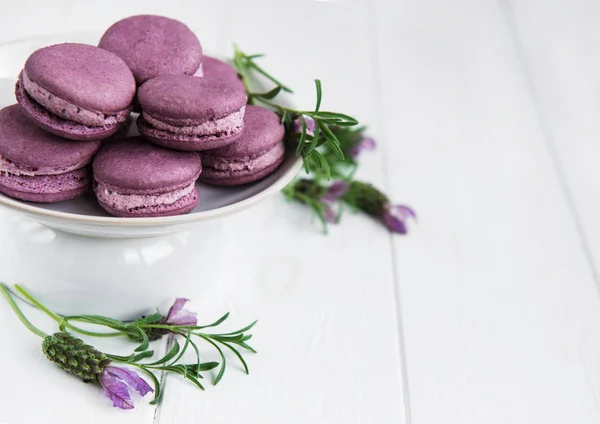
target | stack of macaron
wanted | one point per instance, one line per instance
(66, 134)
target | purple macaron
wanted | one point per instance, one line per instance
(135, 178)
(218, 70)
(38, 166)
(190, 113)
(153, 46)
(76, 91)
(259, 151)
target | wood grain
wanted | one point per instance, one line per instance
(499, 304)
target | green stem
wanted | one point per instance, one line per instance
(7, 294)
(36, 303)
(60, 320)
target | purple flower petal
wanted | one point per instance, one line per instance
(310, 125)
(366, 144)
(177, 316)
(395, 217)
(335, 191)
(130, 378)
(330, 214)
(116, 391)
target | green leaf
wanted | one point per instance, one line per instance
(302, 140)
(197, 374)
(178, 369)
(334, 117)
(239, 356)
(243, 330)
(174, 350)
(185, 346)
(157, 388)
(149, 319)
(145, 342)
(223, 360)
(332, 140)
(194, 380)
(214, 324)
(269, 94)
(319, 94)
(321, 163)
(144, 355)
(195, 370)
(218, 338)
(247, 347)
(313, 144)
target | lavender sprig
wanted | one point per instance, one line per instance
(323, 197)
(74, 356)
(312, 127)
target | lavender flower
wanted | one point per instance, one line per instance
(90, 365)
(179, 316)
(332, 196)
(335, 191)
(115, 380)
(365, 145)
(330, 214)
(395, 217)
(176, 316)
(310, 125)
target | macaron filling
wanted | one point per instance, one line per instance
(66, 110)
(120, 201)
(44, 184)
(239, 165)
(9, 167)
(228, 125)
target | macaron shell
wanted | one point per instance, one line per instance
(262, 131)
(182, 100)
(182, 206)
(236, 171)
(83, 75)
(218, 70)
(26, 144)
(134, 165)
(46, 189)
(58, 126)
(153, 46)
(184, 142)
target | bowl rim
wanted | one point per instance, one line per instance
(112, 221)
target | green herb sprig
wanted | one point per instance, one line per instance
(307, 143)
(141, 331)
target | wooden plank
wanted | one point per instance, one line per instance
(499, 306)
(327, 332)
(564, 76)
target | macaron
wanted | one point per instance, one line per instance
(38, 166)
(218, 70)
(190, 113)
(135, 178)
(259, 151)
(153, 46)
(76, 91)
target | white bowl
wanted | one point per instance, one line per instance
(83, 215)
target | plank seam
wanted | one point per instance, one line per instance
(378, 96)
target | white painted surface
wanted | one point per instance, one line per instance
(486, 114)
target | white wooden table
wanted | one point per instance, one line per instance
(487, 117)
